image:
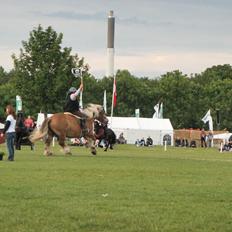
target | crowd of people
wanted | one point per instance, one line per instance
(228, 145)
(142, 142)
(206, 140)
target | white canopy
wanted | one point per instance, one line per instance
(224, 136)
(40, 119)
(136, 128)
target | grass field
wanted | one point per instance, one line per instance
(127, 189)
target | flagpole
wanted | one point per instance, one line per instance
(104, 102)
(112, 105)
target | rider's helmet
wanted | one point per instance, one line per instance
(72, 90)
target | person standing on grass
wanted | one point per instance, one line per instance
(9, 131)
(203, 138)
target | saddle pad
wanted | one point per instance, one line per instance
(72, 115)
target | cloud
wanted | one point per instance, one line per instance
(99, 16)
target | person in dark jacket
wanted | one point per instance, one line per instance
(72, 105)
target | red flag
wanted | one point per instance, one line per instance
(114, 93)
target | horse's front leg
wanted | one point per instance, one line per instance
(107, 144)
(92, 143)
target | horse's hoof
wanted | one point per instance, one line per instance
(48, 153)
(68, 153)
(105, 149)
(93, 152)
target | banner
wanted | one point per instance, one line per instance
(18, 103)
(137, 113)
(208, 118)
(160, 115)
(104, 102)
(114, 93)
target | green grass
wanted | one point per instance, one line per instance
(127, 189)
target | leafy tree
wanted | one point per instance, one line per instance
(176, 94)
(43, 71)
(4, 78)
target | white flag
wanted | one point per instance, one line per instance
(18, 103)
(137, 113)
(156, 108)
(104, 102)
(161, 110)
(211, 124)
(207, 117)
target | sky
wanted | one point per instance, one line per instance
(152, 37)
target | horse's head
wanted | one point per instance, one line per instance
(96, 112)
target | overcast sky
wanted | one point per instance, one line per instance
(152, 37)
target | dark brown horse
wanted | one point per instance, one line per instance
(64, 125)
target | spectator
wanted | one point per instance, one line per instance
(29, 123)
(184, 143)
(140, 142)
(193, 144)
(203, 138)
(9, 131)
(121, 139)
(177, 142)
(210, 139)
(149, 141)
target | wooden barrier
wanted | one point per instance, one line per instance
(194, 134)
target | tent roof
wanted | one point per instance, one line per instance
(222, 136)
(140, 123)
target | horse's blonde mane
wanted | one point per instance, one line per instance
(93, 110)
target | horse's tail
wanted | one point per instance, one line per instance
(40, 133)
(113, 138)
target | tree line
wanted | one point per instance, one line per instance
(42, 75)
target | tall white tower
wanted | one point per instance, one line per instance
(110, 45)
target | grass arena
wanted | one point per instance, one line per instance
(126, 189)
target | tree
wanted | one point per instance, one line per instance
(43, 71)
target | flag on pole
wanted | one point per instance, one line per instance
(137, 113)
(160, 115)
(114, 93)
(156, 108)
(208, 118)
(18, 103)
(104, 102)
(114, 98)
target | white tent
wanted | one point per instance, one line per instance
(41, 118)
(136, 128)
(224, 136)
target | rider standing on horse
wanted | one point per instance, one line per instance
(72, 105)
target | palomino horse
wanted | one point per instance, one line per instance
(64, 125)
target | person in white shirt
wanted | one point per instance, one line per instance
(9, 131)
